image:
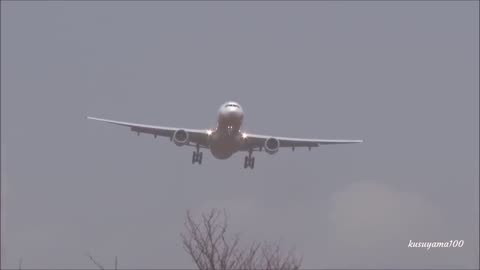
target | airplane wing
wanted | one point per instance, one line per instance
(196, 136)
(254, 141)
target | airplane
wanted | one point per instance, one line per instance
(227, 138)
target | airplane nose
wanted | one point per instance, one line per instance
(230, 116)
(233, 113)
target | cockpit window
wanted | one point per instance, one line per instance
(232, 105)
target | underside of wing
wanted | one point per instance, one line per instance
(155, 130)
(254, 141)
(195, 136)
(286, 142)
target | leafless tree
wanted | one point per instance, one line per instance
(210, 247)
(99, 265)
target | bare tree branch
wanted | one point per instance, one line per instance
(210, 248)
(95, 262)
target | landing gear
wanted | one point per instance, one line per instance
(249, 161)
(229, 130)
(197, 156)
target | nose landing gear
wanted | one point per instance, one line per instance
(230, 130)
(249, 160)
(197, 156)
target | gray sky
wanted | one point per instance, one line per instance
(403, 76)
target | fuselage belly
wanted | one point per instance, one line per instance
(224, 145)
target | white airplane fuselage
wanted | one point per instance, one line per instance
(227, 139)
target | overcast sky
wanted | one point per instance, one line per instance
(403, 76)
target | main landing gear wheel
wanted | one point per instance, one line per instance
(249, 161)
(197, 156)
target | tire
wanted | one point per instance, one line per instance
(200, 157)
(245, 164)
(252, 163)
(194, 157)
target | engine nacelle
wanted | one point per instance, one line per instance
(272, 145)
(180, 137)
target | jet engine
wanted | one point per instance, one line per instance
(272, 145)
(180, 137)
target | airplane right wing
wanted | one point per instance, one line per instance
(196, 136)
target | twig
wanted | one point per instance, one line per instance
(95, 262)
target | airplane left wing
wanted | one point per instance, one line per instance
(258, 141)
(195, 135)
